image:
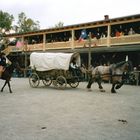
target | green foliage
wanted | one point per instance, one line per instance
(5, 25)
(6, 21)
(59, 24)
(26, 24)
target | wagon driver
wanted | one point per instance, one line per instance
(74, 67)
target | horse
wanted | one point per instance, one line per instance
(115, 73)
(7, 74)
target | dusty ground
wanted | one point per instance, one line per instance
(71, 114)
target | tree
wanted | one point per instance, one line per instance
(5, 25)
(5, 21)
(26, 24)
(59, 24)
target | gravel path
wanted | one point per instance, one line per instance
(46, 113)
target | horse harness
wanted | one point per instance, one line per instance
(109, 74)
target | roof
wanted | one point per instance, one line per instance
(80, 25)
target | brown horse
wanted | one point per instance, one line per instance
(7, 74)
(115, 73)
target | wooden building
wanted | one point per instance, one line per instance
(107, 41)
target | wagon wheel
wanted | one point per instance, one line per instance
(34, 80)
(47, 81)
(74, 82)
(61, 82)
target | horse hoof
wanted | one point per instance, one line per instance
(102, 90)
(113, 92)
(117, 87)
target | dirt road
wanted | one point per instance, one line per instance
(45, 113)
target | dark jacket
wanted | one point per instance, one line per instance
(2, 61)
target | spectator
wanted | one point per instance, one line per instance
(125, 32)
(131, 31)
(117, 33)
(103, 35)
(98, 34)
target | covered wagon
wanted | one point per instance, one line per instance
(53, 68)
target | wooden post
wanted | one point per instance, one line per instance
(89, 52)
(72, 39)
(44, 42)
(108, 35)
(25, 60)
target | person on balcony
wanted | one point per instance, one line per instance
(117, 33)
(131, 31)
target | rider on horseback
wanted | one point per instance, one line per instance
(2, 63)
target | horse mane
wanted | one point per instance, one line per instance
(117, 65)
(130, 67)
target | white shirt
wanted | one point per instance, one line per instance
(74, 66)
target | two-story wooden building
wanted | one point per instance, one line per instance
(110, 40)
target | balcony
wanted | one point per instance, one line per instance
(112, 41)
(122, 40)
(130, 39)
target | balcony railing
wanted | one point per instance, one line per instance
(122, 40)
(130, 39)
(58, 45)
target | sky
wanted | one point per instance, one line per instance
(70, 12)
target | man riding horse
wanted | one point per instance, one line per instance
(2, 63)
